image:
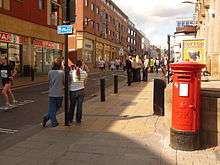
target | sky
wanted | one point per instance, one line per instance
(156, 18)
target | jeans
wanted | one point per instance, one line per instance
(54, 105)
(76, 102)
(129, 76)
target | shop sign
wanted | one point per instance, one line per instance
(121, 52)
(65, 29)
(194, 50)
(47, 44)
(10, 38)
(88, 45)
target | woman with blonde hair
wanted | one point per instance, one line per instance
(76, 88)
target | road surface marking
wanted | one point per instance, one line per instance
(45, 92)
(17, 104)
(9, 131)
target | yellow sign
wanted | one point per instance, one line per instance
(194, 50)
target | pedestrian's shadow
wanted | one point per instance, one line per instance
(119, 117)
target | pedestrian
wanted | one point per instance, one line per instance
(145, 69)
(139, 66)
(117, 63)
(102, 65)
(128, 66)
(7, 74)
(112, 65)
(134, 70)
(76, 89)
(85, 67)
(157, 64)
(56, 85)
(152, 63)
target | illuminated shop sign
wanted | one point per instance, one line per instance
(10, 38)
(47, 44)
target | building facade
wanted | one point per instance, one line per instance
(208, 26)
(101, 31)
(28, 33)
(185, 29)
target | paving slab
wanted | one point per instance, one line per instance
(120, 131)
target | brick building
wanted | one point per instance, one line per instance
(208, 23)
(102, 31)
(28, 33)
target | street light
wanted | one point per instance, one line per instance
(190, 2)
(169, 57)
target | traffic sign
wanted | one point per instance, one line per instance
(65, 29)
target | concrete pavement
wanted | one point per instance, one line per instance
(120, 131)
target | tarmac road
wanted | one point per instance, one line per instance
(23, 121)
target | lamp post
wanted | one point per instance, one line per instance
(190, 2)
(169, 56)
(69, 17)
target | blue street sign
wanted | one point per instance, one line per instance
(65, 29)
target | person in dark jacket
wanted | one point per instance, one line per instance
(128, 66)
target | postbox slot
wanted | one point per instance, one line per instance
(186, 77)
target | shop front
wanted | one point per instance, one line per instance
(99, 52)
(45, 52)
(107, 53)
(88, 51)
(11, 48)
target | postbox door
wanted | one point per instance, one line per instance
(183, 110)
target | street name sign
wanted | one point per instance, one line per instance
(65, 29)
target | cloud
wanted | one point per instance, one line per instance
(156, 18)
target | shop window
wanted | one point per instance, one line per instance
(97, 26)
(3, 50)
(92, 6)
(55, 10)
(85, 21)
(1, 3)
(97, 10)
(5, 4)
(41, 4)
(86, 2)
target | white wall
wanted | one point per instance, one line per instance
(176, 44)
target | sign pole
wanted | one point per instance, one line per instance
(168, 60)
(66, 103)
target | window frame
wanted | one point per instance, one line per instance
(41, 4)
(92, 6)
(1, 3)
(86, 3)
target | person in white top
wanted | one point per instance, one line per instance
(112, 65)
(102, 65)
(78, 78)
(117, 63)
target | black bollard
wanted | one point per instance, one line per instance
(158, 96)
(102, 89)
(115, 83)
(32, 74)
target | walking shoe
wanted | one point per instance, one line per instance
(8, 105)
(55, 125)
(44, 122)
(15, 102)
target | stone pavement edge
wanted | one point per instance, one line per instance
(120, 131)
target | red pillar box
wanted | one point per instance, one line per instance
(184, 133)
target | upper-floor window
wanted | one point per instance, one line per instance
(92, 6)
(55, 12)
(86, 2)
(41, 4)
(97, 26)
(1, 3)
(97, 10)
(5, 4)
